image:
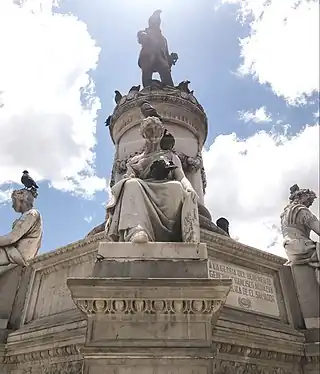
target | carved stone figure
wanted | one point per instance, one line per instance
(154, 55)
(144, 208)
(24, 241)
(297, 221)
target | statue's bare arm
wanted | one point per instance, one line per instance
(181, 177)
(21, 227)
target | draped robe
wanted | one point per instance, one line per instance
(163, 209)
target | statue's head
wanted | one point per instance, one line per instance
(22, 200)
(152, 129)
(302, 196)
(155, 20)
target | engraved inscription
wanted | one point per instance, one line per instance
(251, 290)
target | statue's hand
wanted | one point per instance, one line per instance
(192, 192)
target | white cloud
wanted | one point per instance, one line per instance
(48, 103)
(282, 48)
(250, 178)
(258, 116)
(5, 195)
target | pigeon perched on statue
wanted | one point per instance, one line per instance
(135, 88)
(108, 121)
(29, 183)
(160, 169)
(167, 141)
(117, 97)
(148, 110)
(184, 86)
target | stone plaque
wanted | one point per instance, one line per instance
(251, 291)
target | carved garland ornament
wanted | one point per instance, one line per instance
(189, 164)
(231, 367)
(243, 351)
(110, 306)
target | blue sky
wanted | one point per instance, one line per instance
(207, 40)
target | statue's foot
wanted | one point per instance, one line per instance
(140, 237)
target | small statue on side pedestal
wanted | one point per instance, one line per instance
(154, 55)
(297, 221)
(154, 201)
(23, 242)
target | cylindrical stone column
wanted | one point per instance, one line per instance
(181, 114)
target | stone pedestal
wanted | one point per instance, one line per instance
(308, 291)
(145, 324)
(9, 284)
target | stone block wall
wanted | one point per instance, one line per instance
(259, 330)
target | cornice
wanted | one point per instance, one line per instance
(171, 96)
(226, 352)
(233, 249)
(40, 355)
(215, 243)
(70, 247)
(256, 352)
(235, 367)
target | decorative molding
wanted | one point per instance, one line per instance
(189, 164)
(70, 247)
(156, 94)
(69, 350)
(70, 367)
(120, 306)
(87, 257)
(232, 367)
(261, 354)
(172, 96)
(214, 241)
(314, 360)
(233, 248)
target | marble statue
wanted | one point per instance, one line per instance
(297, 221)
(24, 241)
(154, 55)
(154, 201)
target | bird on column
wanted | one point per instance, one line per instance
(117, 96)
(148, 110)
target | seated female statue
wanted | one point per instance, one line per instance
(154, 201)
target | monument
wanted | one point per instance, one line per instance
(297, 221)
(157, 287)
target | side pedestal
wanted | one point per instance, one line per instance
(308, 292)
(144, 324)
(9, 284)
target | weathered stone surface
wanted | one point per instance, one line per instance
(143, 318)
(58, 335)
(152, 260)
(9, 284)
